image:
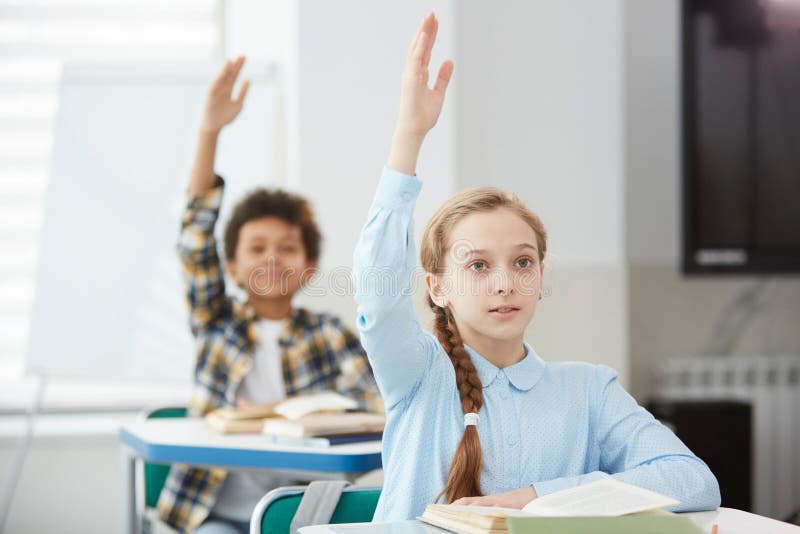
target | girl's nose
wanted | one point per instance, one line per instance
(500, 282)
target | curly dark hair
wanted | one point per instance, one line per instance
(262, 202)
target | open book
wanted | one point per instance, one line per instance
(604, 501)
(230, 420)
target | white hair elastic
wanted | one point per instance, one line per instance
(471, 419)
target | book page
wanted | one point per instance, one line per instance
(328, 401)
(608, 497)
(488, 511)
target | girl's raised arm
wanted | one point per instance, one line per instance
(385, 258)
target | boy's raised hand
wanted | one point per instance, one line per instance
(220, 109)
(420, 105)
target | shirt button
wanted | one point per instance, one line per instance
(406, 196)
(512, 441)
(504, 395)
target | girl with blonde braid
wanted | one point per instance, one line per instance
(474, 415)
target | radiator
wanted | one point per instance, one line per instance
(772, 385)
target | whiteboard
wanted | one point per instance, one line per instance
(109, 300)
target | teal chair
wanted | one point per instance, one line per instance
(155, 475)
(275, 511)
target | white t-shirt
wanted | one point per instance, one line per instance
(242, 490)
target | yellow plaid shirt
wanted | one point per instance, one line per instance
(317, 353)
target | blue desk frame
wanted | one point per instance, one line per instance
(154, 441)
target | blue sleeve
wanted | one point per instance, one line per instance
(637, 449)
(383, 266)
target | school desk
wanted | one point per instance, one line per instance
(728, 521)
(191, 441)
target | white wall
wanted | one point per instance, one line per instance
(540, 113)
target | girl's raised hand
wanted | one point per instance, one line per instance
(220, 109)
(420, 105)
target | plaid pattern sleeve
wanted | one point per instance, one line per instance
(188, 495)
(202, 270)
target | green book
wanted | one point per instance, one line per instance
(642, 524)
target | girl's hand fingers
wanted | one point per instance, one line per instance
(418, 55)
(421, 28)
(443, 79)
(431, 30)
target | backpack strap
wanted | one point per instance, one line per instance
(318, 503)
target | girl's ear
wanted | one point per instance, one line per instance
(541, 280)
(435, 290)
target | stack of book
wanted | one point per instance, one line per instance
(603, 507)
(236, 421)
(326, 429)
(319, 420)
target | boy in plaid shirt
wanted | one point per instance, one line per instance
(259, 352)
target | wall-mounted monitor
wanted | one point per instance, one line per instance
(741, 136)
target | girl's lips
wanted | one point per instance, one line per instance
(503, 312)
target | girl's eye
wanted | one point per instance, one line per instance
(524, 263)
(257, 250)
(477, 266)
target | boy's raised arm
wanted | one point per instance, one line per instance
(197, 247)
(219, 111)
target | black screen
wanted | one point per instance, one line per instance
(741, 104)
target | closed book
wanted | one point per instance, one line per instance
(234, 425)
(325, 424)
(326, 441)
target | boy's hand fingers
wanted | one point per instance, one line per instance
(237, 66)
(242, 92)
(220, 75)
(231, 71)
